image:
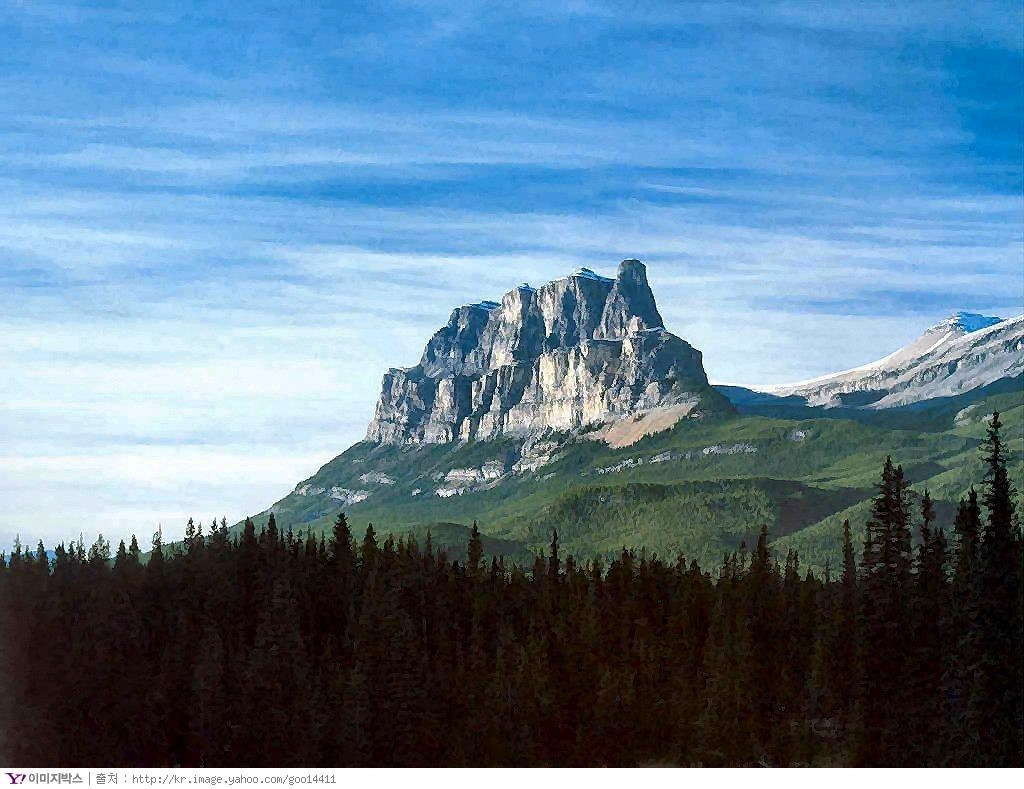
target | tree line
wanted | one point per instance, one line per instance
(275, 649)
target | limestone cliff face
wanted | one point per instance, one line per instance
(577, 351)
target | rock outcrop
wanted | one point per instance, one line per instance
(578, 351)
(962, 353)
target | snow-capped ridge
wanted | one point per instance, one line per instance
(961, 353)
(958, 325)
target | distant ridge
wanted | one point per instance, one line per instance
(963, 352)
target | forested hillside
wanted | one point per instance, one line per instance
(700, 487)
(275, 649)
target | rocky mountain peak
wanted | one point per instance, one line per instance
(530, 321)
(630, 305)
(574, 351)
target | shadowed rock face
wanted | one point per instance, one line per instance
(580, 350)
(630, 305)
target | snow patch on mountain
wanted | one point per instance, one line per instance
(586, 273)
(376, 478)
(348, 497)
(742, 448)
(345, 495)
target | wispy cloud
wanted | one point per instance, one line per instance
(219, 226)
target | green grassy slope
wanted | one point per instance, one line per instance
(700, 488)
(946, 481)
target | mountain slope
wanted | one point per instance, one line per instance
(569, 407)
(960, 354)
(699, 488)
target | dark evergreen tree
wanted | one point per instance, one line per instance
(121, 557)
(998, 692)
(276, 691)
(554, 563)
(298, 650)
(342, 559)
(882, 725)
(369, 551)
(156, 553)
(210, 709)
(338, 615)
(927, 641)
(475, 552)
(763, 618)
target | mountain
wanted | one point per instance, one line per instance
(570, 407)
(962, 353)
(584, 350)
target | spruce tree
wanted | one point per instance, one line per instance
(762, 597)
(475, 552)
(341, 556)
(849, 577)
(927, 639)
(156, 554)
(847, 669)
(369, 551)
(121, 557)
(886, 568)
(998, 696)
(270, 535)
(339, 615)
(835, 672)
(133, 550)
(554, 564)
(965, 635)
(247, 559)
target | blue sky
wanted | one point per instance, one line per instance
(221, 222)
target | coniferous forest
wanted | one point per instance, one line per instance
(275, 649)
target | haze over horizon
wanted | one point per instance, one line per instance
(221, 224)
